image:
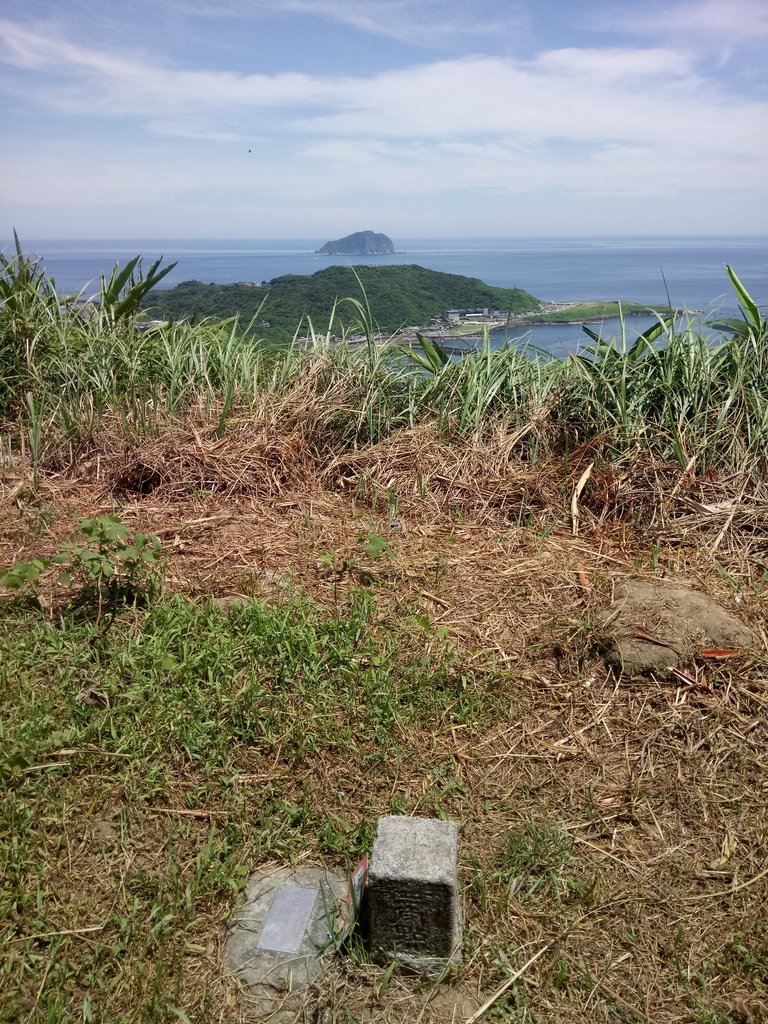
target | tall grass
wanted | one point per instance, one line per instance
(687, 398)
(672, 393)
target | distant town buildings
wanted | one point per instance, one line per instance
(455, 316)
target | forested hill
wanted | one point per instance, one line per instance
(398, 296)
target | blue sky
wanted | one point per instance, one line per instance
(315, 118)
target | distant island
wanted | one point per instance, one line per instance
(361, 243)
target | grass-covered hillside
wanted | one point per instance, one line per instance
(397, 296)
(252, 598)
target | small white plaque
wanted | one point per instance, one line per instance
(287, 920)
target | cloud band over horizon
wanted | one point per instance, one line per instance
(618, 138)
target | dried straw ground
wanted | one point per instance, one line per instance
(641, 871)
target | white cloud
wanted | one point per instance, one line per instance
(424, 22)
(655, 95)
(117, 85)
(569, 96)
(609, 65)
(631, 123)
(721, 22)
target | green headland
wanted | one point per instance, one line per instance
(397, 297)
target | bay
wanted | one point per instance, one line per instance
(686, 272)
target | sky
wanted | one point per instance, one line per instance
(419, 118)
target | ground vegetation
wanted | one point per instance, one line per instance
(372, 585)
(396, 297)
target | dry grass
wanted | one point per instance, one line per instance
(621, 821)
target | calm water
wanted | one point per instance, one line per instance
(689, 272)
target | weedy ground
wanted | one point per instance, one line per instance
(322, 656)
(378, 595)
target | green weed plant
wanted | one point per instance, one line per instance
(104, 559)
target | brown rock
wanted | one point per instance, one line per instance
(682, 621)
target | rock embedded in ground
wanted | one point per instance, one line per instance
(684, 621)
(280, 940)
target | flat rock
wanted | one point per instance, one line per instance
(684, 621)
(280, 939)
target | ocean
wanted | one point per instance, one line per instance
(686, 272)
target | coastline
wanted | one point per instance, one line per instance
(476, 331)
(592, 267)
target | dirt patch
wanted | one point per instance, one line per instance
(655, 626)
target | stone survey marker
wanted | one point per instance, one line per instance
(413, 900)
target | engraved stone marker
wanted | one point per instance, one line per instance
(412, 893)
